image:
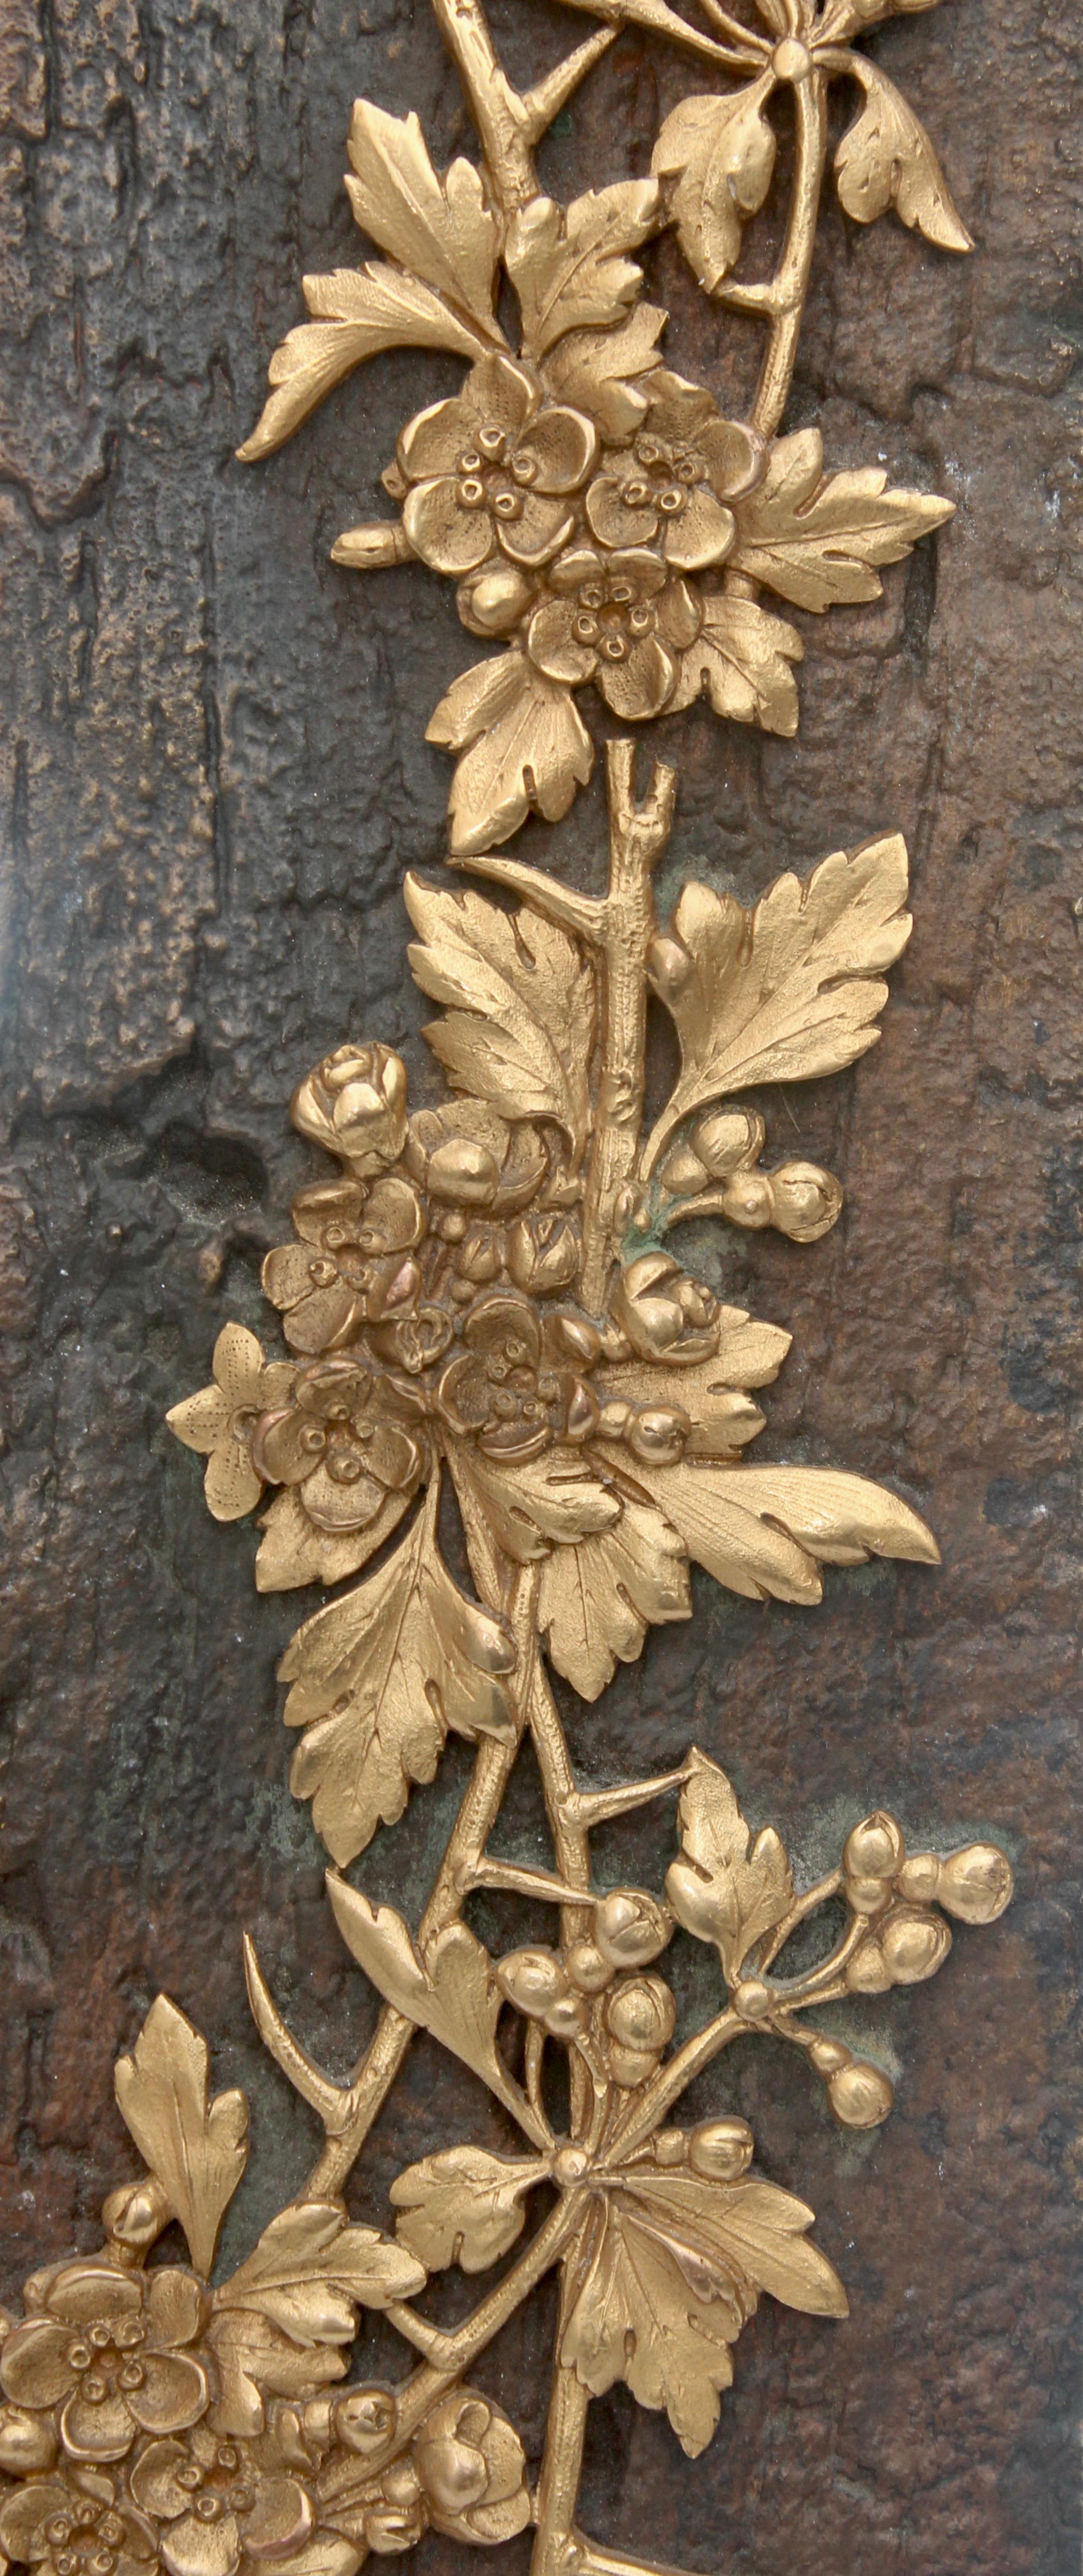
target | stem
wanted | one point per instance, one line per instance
(495, 106)
(376, 2071)
(558, 2487)
(637, 838)
(790, 286)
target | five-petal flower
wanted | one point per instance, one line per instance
(492, 470)
(620, 619)
(107, 2348)
(673, 484)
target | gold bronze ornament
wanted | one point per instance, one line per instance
(485, 1319)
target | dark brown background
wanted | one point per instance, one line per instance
(214, 778)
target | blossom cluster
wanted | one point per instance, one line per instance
(582, 551)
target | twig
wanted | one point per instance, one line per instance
(638, 834)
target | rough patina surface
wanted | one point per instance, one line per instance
(213, 780)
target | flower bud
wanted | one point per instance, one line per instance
(492, 601)
(695, 1901)
(807, 1201)
(919, 1878)
(867, 1895)
(875, 1849)
(589, 1969)
(478, 1257)
(860, 2096)
(671, 2148)
(364, 2419)
(27, 2442)
(683, 1174)
(532, 1980)
(867, 1973)
(372, 548)
(976, 1883)
(731, 1139)
(663, 1313)
(630, 1927)
(567, 2017)
(135, 2215)
(915, 1945)
(630, 2066)
(543, 1253)
(748, 1200)
(355, 1105)
(826, 2055)
(657, 1434)
(640, 2014)
(721, 2150)
(453, 2474)
(463, 1171)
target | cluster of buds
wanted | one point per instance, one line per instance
(905, 1941)
(716, 2150)
(595, 1991)
(716, 1172)
(462, 2473)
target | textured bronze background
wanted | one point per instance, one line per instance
(213, 782)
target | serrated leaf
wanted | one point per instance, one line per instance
(567, 263)
(522, 1005)
(524, 747)
(727, 1888)
(711, 1392)
(540, 1502)
(750, 1556)
(442, 229)
(452, 1993)
(197, 2148)
(789, 990)
(595, 370)
(378, 1679)
(463, 2206)
(667, 2271)
(311, 2270)
(841, 1519)
(361, 311)
(816, 539)
(721, 153)
(742, 657)
(598, 1598)
(886, 159)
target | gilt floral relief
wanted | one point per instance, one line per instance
(480, 1318)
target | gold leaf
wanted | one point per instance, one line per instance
(815, 538)
(593, 370)
(566, 263)
(453, 1993)
(526, 1045)
(362, 311)
(441, 229)
(721, 151)
(842, 1519)
(666, 2274)
(293, 1551)
(886, 159)
(463, 2206)
(742, 657)
(748, 1555)
(638, 2316)
(597, 1599)
(789, 990)
(311, 2270)
(196, 2147)
(723, 1418)
(538, 1501)
(378, 1679)
(727, 1889)
(524, 745)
